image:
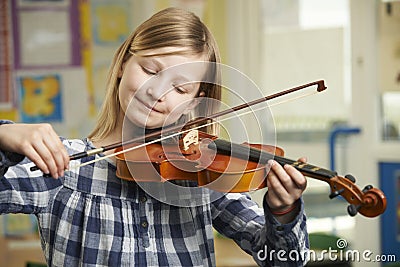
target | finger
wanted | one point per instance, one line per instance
(31, 153)
(47, 157)
(58, 152)
(277, 196)
(276, 188)
(303, 159)
(62, 149)
(285, 190)
(282, 176)
(296, 176)
(57, 149)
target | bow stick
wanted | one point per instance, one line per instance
(178, 128)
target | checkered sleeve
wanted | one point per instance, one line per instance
(22, 191)
(8, 159)
(258, 233)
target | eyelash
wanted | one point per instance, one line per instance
(179, 90)
(149, 72)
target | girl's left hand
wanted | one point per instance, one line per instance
(285, 186)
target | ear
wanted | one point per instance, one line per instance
(194, 102)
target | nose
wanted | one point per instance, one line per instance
(159, 87)
(156, 93)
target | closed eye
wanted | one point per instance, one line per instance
(179, 90)
(148, 71)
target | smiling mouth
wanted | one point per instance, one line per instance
(149, 107)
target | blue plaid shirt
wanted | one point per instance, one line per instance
(90, 217)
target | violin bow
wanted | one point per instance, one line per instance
(177, 129)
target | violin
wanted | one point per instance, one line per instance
(222, 165)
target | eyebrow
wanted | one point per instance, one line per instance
(155, 61)
(185, 79)
(177, 75)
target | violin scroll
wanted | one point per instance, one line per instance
(374, 203)
(369, 202)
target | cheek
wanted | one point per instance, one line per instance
(126, 91)
(180, 105)
(131, 79)
(122, 98)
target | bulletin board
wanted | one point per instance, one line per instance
(48, 80)
(389, 173)
(45, 34)
(44, 43)
(110, 23)
(40, 98)
(6, 51)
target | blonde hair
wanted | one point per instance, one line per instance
(171, 27)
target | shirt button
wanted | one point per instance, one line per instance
(142, 199)
(279, 228)
(144, 224)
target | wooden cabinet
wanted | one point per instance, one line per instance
(229, 254)
(17, 252)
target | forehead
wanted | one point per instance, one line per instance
(175, 61)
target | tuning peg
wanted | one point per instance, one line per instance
(336, 193)
(350, 177)
(367, 188)
(353, 209)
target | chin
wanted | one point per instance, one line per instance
(145, 124)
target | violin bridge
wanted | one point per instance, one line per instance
(190, 138)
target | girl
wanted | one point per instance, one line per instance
(89, 217)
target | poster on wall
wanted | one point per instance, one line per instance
(111, 21)
(40, 98)
(46, 38)
(45, 34)
(58, 97)
(30, 3)
(6, 67)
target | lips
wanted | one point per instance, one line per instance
(149, 107)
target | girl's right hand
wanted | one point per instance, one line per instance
(38, 142)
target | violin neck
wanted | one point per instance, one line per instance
(258, 155)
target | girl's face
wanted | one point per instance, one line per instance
(156, 90)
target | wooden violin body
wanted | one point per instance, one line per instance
(220, 172)
(228, 167)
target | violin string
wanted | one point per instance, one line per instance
(252, 111)
(135, 147)
(157, 140)
(163, 138)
